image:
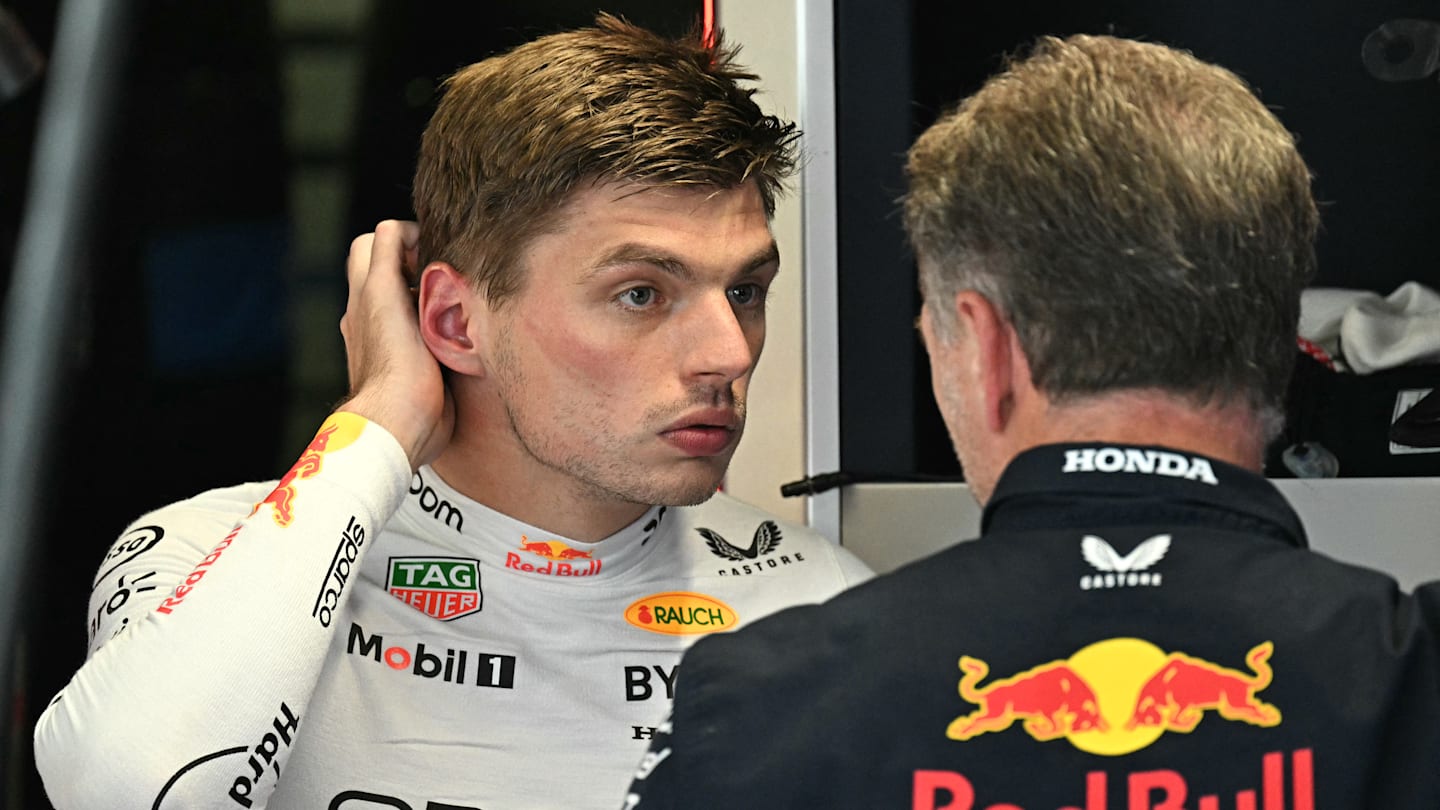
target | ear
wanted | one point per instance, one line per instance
(452, 315)
(996, 355)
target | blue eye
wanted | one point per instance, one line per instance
(638, 296)
(747, 294)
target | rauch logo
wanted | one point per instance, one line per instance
(444, 587)
(681, 613)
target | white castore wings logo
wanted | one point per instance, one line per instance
(767, 537)
(1119, 571)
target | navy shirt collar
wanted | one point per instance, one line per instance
(1065, 485)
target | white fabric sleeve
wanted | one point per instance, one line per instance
(210, 628)
(852, 568)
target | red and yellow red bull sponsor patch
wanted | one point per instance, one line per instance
(339, 431)
(681, 613)
(560, 559)
(553, 549)
(1114, 697)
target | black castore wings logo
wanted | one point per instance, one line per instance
(766, 540)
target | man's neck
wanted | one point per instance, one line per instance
(490, 466)
(1228, 432)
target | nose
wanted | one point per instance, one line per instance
(722, 345)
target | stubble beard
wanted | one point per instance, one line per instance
(601, 471)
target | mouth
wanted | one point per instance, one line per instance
(707, 433)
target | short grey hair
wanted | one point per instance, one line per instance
(1139, 216)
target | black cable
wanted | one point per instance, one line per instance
(822, 482)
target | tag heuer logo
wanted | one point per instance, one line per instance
(444, 587)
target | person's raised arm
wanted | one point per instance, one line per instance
(212, 617)
(394, 380)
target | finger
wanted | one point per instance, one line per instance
(409, 232)
(406, 236)
(357, 268)
(410, 235)
(393, 243)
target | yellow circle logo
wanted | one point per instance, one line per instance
(1117, 669)
(680, 613)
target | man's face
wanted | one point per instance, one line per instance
(622, 362)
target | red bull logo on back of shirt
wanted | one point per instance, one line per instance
(1115, 697)
(1160, 789)
(1112, 698)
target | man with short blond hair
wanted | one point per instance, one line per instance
(473, 588)
(1112, 239)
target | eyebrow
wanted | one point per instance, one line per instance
(638, 253)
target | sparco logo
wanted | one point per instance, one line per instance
(439, 508)
(266, 754)
(1122, 572)
(339, 572)
(1135, 460)
(754, 558)
(448, 664)
(117, 600)
(444, 587)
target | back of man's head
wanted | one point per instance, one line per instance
(515, 134)
(1139, 216)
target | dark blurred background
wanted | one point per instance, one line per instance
(1373, 145)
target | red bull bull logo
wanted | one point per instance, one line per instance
(1050, 701)
(553, 549)
(562, 560)
(1114, 697)
(1177, 695)
(339, 431)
